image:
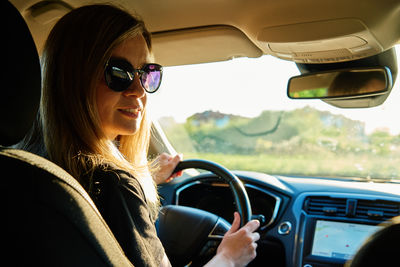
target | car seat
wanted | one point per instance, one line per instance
(50, 219)
(381, 249)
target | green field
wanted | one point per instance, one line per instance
(301, 142)
(346, 166)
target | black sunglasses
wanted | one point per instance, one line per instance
(119, 75)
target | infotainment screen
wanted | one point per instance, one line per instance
(340, 240)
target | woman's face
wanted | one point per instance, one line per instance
(122, 112)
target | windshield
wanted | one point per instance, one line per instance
(237, 113)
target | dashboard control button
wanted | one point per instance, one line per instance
(284, 228)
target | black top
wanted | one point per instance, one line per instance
(122, 203)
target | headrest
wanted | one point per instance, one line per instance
(20, 79)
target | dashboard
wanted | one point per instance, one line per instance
(309, 222)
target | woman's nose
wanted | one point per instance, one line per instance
(135, 89)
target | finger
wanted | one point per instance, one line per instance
(163, 156)
(177, 158)
(173, 162)
(253, 246)
(235, 224)
(162, 159)
(176, 174)
(170, 160)
(255, 236)
(252, 225)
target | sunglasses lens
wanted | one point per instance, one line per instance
(151, 77)
(118, 75)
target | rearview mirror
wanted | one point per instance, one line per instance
(341, 84)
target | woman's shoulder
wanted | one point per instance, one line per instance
(108, 177)
(104, 175)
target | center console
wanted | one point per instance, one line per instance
(332, 229)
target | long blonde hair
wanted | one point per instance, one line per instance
(73, 61)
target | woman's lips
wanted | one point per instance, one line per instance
(130, 112)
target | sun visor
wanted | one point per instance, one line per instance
(191, 46)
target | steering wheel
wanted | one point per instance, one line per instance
(192, 235)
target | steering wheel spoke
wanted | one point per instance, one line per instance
(219, 230)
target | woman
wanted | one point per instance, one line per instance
(97, 72)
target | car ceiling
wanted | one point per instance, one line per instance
(198, 31)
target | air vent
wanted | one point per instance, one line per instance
(379, 210)
(325, 206)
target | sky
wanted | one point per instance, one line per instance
(247, 86)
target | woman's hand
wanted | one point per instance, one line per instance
(238, 247)
(166, 165)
